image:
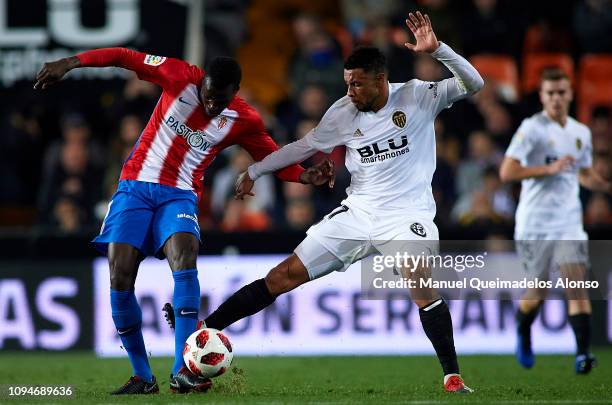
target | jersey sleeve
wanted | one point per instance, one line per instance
(522, 142)
(586, 157)
(160, 70)
(433, 96)
(260, 144)
(325, 136)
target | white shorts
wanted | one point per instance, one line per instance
(542, 251)
(348, 234)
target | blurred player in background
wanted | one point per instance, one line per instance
(388, 130)
(154, 211)
(551, 154)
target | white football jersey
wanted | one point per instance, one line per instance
(391, 153)
(551, 203)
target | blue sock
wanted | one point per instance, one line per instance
(186, 301)
(128, 320)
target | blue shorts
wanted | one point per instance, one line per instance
(145, 215)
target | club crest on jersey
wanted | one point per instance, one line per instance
(399, 119)
(222, 122)
(154, 60)
(578, 143)
(418, 229)
(357, 133)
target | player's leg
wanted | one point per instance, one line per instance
(126, 239)
(415, 237)
(124, 260)
(309, 261)
(535, 254)
(176, 236)
(181, 249)
(579, 315)
(315, 257)
(438, 326)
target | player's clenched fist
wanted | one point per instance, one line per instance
(244, 185)
(52, 72)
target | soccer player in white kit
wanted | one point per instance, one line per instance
(551, 154)
(388, 131)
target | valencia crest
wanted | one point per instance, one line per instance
(399, 119)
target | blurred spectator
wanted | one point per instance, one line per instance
(356, 13)
(311, 104)
(489, 203)
(223, 188)
(547, 35)
(495, 112)
(485, 30)
(74, 177)
(593, 25)
(74, 129)
(598, 211)
(390, 40)
(238, 216)
(130, 128)
(299, 214)
(68, 216)
(317, 60)
(482, 153)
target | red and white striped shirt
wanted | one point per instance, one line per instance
(180, 140)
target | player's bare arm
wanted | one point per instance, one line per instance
(512, 170)
(52, 72)
(319, 174)
(589, 178)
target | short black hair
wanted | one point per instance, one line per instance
(368, 58)
(224, 71)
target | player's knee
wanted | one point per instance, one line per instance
(121, 275)
(277, 279)
(284, 278)
(183, 257)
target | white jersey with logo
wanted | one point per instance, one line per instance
(550, 204)
(391, 153)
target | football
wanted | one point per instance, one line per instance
(208, 352)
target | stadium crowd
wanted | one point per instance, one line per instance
(64, 159)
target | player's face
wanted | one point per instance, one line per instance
(214, 98)
(556, 96)
(364, 89)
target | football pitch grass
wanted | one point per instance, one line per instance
(329, 380)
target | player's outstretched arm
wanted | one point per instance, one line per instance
(152, 68)
(319, 174)
(467, 80)
(53, 72)
(512, 170)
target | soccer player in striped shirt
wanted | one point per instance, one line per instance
(154, 211)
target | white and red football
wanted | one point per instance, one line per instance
(208, 352)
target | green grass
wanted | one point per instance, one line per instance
(329, 380)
